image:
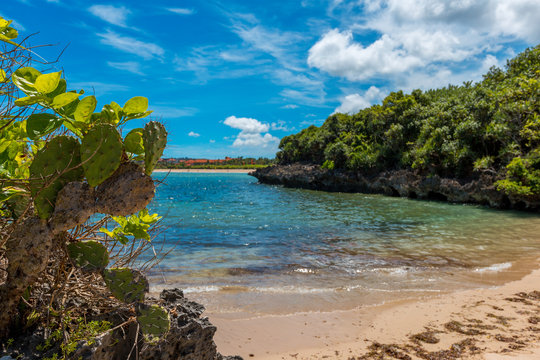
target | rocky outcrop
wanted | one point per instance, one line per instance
(404, 183)
(189, 338)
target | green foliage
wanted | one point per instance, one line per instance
(50, 136)
(55, 165)
(78, 329)
(328, 164)
(455, 131)
(136, 225)
(154, 141)
(134, 141)
(89, 255)
(126, 284)
(101, 153)
(153, 320)
(39, 125)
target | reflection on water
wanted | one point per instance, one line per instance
(239, 245)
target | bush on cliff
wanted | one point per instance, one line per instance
(492, 126)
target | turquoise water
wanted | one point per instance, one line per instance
(242, 246)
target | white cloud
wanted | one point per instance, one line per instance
(353, 103)
(290, 106)
(519, 18)
(111, 14)
(247, 125)
(130, 66)
(131, 45)
(181, 11)
(337, 54)
(212, 141)
(251, 134)
(276, 43)
(255, 140)
(422, 42)
(280, 125)
(194, 134)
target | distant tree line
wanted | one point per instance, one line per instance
(229, 163)
(492, 126)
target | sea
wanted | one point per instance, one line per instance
(236, 245)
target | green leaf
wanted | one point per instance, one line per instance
(60, 89)
(38, 125)
(69, 110)
(154, 321)
(54, 165)
(3, 77)
(133, 141)
(75, 127)
(117, 108)
(138, 115)
(109, 115)
(135, 105)
(30, 100)
(9, 33)
(89, 255)
(101, 152)
(4, 144)
(47, 83)
(85, 108)
(64, 99)
(24, 78)
(125, 284)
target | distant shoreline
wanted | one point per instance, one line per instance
(209, 171)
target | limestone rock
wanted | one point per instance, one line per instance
(405, 183)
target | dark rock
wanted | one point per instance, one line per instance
(190, 337)
(404, 183)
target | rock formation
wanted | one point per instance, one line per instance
(404, 183)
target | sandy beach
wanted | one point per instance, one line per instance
(499, 322)
(209, 171)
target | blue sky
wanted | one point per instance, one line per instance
(231, 78)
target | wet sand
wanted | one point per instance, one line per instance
(493, 323)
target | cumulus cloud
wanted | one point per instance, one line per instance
(111, 14)
(194, 134)
(353, 103)
(337, 54)
(251, 134)
(131, 45)
(422, 40)
(247, 125)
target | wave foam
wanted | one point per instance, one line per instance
(494, 267)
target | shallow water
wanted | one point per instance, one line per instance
(243, 246)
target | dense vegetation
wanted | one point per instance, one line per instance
(61, 162)
(492, 126)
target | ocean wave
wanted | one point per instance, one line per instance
(494, 267)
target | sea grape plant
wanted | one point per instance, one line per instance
(61, 164)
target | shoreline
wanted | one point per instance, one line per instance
(207, 171)
(491, 323)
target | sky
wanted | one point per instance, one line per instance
(231, 78)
